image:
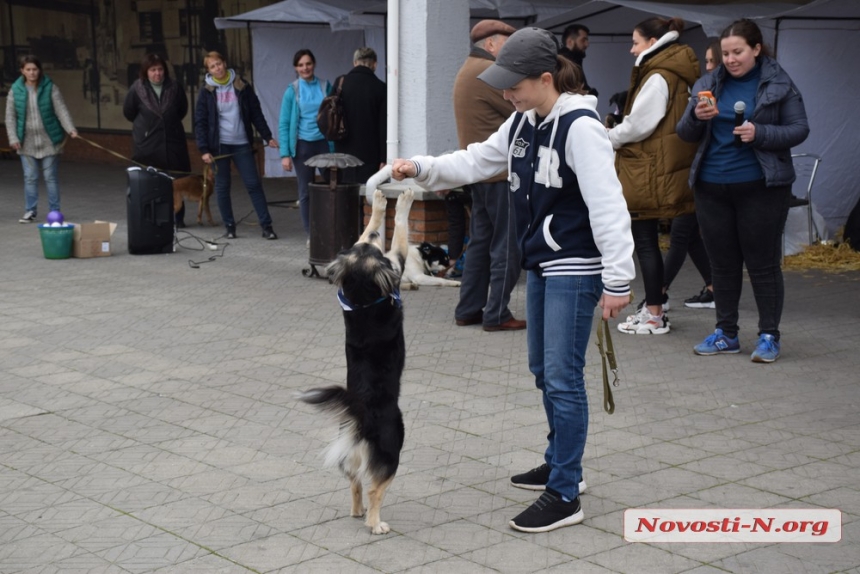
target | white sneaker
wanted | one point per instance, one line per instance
(28, 217)
(644, 323)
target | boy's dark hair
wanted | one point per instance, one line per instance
(573, 30)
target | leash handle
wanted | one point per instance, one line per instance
(607, 359)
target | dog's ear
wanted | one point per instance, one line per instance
(336, 269)
(425, 248)
(386, 278)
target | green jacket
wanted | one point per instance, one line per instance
(46, 109)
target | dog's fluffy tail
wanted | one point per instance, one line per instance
(348, 451)
(330, 399)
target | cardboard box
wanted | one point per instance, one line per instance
(92, 239)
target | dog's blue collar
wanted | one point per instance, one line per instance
(347, 306)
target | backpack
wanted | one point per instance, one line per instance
(330, 117)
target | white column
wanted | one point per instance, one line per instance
(434, 42)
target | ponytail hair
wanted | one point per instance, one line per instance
(567, 76)
(659, 27)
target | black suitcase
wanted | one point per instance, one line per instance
(150, 211)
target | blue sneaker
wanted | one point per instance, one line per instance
(767, 349)
(718, 344)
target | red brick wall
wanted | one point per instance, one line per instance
(428, 221)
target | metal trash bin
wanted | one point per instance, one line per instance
(335, 221)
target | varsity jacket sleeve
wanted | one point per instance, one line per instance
(589, 152)
(648, 109)
(479, 161)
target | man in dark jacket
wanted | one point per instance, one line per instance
(363, 96)
(574, 43)
(493, 257)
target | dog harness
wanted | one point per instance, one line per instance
(348, 306)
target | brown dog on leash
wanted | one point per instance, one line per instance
(195, 188)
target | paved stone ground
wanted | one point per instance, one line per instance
(147, 422)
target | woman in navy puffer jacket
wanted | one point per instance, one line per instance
(742, 178)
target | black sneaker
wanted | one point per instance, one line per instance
(28, 217)
(548, 513)
(536, 479)
(704, 300)
(231, 232)
(269, 233)
(180, 224)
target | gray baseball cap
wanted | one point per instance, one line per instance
(527, 53)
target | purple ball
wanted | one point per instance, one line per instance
(55, 217)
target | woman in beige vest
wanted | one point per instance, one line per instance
(653, 163)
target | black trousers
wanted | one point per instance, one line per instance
(742, 224)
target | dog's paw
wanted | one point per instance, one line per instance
(381, 528)
(405, 200)
(357, 512)
(379, 201)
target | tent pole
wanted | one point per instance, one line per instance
(392, 59)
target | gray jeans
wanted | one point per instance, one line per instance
(492, 256)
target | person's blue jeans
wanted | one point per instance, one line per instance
(243, 157)
(742, 225)
(47, 166)
(560, 314)
(492, 266)
(305, 175)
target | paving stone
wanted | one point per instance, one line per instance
(144, 431)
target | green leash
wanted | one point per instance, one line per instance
(607, 357)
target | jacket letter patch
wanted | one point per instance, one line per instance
(547, 169)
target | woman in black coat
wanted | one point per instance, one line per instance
(156, 105)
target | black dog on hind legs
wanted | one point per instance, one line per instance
(371, 431)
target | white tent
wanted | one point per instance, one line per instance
(812, 39)
(327, 27)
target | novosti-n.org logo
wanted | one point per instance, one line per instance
(733, 525)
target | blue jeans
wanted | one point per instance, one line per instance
(560, 314)
(305, 174)
(48, 167)
(244, 159)
(742, 225)
(492, 266)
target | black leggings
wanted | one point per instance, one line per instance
(742, 224)
(646, 241)
(685, 239)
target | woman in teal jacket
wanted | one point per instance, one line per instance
(37, 121)
(298, 132)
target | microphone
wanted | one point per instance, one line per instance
(740, 108)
